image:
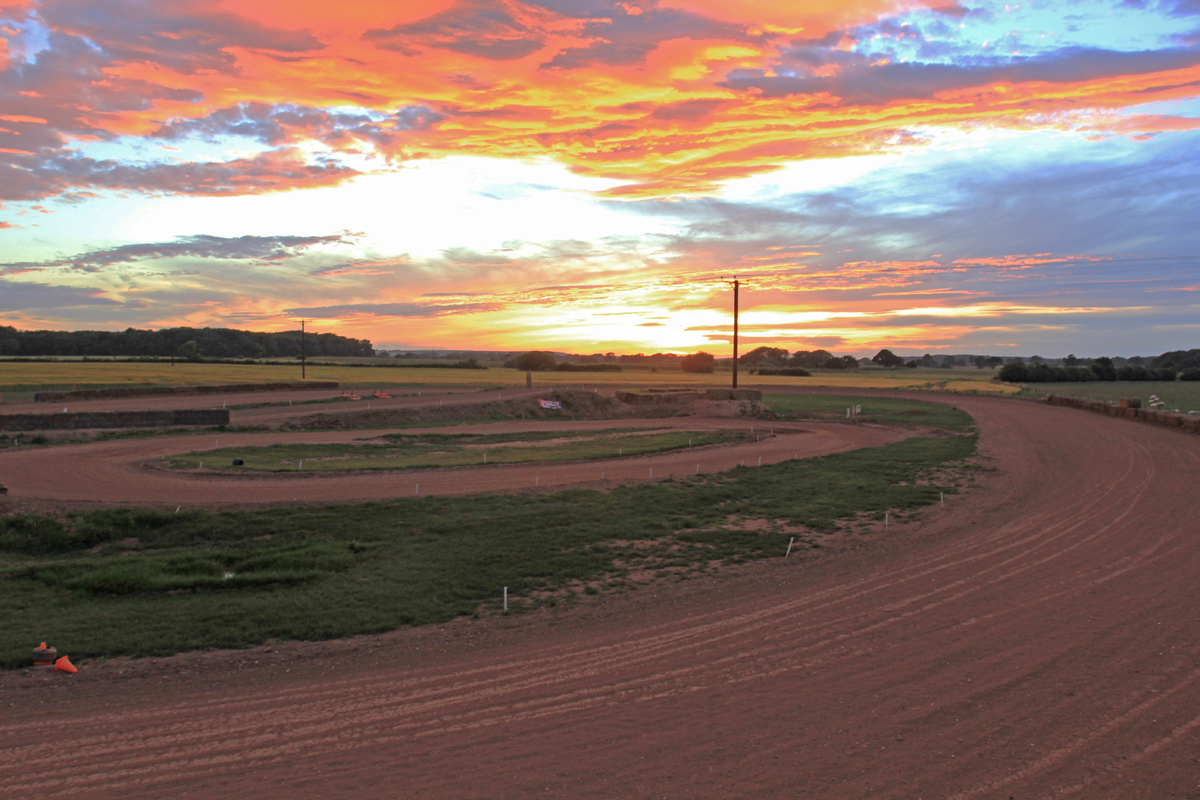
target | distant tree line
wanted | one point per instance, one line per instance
(774, 358)
(186, 343)
(544, 361)
(1181, 364)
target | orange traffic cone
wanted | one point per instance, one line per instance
(64, 665)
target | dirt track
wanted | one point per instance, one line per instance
(114, 472)
(1037, 639)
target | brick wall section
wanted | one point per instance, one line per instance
(148, 391)
(114, 419)
(1166, 419)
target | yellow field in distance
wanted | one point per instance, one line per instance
(25, 377)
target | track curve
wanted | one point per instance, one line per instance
(1036, 640)
(120, 471)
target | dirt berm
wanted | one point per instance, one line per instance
(576, 405)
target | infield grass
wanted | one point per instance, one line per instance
(882, 410)
(1184, 395)
(144, 582)
(430, 450)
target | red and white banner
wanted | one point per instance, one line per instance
(550, 404)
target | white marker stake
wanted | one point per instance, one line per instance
(537, 481)
(847, 413)
(789, 552)
(652, 473)
(177, 509)
(743, 462)
(485, 456)
(201, 465)
(506, 598)
(417, 491)
(289, 402)
(760, 461)
(885, 520)
(222, 404)
(697, 469)
(300, 467)
(943, 494)
(621, 450)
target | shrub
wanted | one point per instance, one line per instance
(533, 361)
(1044, 373)
(795, 372)
(698, 362)
(1190, 374)
(1104, 369)
(569, 367)
(886, 358)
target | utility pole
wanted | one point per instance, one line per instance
(303, 359)
(735, 283)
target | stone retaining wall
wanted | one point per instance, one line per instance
(148, 391)
(1167, 419)
(114, 419)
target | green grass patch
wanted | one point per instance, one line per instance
(142, 582)
(884, 410)
(424, 451)
(1184, 395)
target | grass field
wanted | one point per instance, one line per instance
(1184, 395)
(884, 410)
(139, 582)
(18, 380)
(425, 451)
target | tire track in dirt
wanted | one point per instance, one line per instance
(1027, 640)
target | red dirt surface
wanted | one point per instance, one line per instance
(122, 471)
(1035, 639)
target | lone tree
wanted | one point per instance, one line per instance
(775, 355)
(886, 358)
(533, 361)
(698, 362)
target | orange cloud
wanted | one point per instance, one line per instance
(667, 98)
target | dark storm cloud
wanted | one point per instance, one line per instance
(481, 28)
(624, 39)
(1145, 205)
(857, 82)
(31, 177)
(181, 36)
(16, 296)
(257, 248)
(275, 124)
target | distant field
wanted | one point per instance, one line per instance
(431, 450)
(18, 380)
(1184, 395)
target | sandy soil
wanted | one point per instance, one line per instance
(1035, 639)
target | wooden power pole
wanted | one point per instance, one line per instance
(303, 359)
(735, 283)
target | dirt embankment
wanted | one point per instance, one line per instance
(575, 405)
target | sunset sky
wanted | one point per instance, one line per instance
(579, 175)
